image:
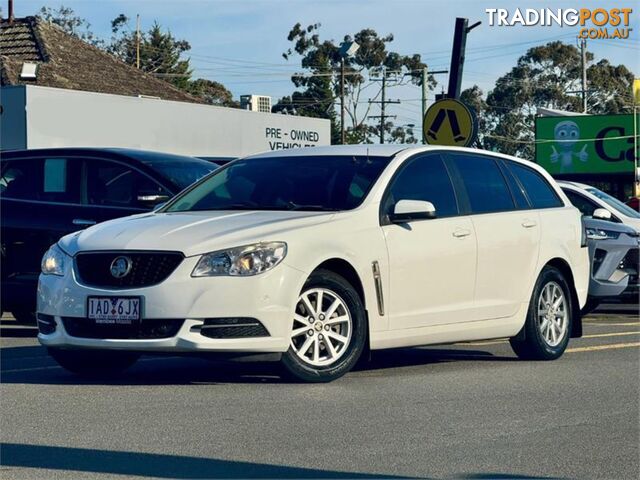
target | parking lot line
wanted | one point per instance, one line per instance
(603, 347)
(614, 334)
(631, 324)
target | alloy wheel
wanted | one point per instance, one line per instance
(553, 314)
(322, 327)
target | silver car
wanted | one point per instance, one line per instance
(614, 249)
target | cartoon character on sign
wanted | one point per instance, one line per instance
(567, 134)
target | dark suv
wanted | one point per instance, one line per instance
(45, 194)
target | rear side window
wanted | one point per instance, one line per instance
(486, 187)
(540, 193)
(41, 179)
(424, 178)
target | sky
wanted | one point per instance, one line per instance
(240, 42)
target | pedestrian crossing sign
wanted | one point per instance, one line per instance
(450, 122)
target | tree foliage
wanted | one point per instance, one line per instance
(161, 54)
(213, 93)
(67, 20)
(547, 76)
(318, 86)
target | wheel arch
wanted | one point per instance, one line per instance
(564, 267)
(347, 271)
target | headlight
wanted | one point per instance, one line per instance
(599, 234)
(241, 261)
(53, 261)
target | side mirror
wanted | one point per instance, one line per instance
(152, 200)
(601, 214)
(408, 210)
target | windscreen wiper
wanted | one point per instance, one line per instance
(295, 206)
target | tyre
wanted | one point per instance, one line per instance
(548, 325)
(329, 330)
(93, 363)
(25, 316)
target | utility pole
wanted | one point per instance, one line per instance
(138, 41)
(342, 128)
(424, 98)
(457, 55)
(583, 55)
(383, 103)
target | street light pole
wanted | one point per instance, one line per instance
(583, 56)
(347, 49)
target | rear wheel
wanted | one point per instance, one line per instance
(93, 363)
(329, 330)
(548, 324)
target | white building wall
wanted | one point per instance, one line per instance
(70, 118)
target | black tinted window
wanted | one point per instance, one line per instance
(582, 203)
(117, 185)
(286, 183)
(485, 184)
(41, 179)
(182, 173)
(540, 193)
(424, 178)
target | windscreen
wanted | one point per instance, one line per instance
(614, 203)
(322, 183)
(183, 173)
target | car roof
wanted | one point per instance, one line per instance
(145, 156)
(388, 150)
(581, 186)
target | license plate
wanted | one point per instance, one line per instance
(114, 310)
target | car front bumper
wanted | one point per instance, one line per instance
(614, 267)
(269, 298)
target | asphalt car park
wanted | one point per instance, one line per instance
(467, 410)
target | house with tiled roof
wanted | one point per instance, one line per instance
(35, 52)
(59, 91)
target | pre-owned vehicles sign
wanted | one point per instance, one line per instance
(586, 143)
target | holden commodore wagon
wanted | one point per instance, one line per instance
(316, 256)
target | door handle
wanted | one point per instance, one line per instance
(528, 223)
(83, 222)
(461, 232)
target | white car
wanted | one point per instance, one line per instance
(588, 199)
(314, 256)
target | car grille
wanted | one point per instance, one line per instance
(147, 268)
(232, 328)
(146, 329)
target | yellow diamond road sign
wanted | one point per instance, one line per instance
(449, 122)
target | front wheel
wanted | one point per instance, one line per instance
(93, 363)
(329, 330)
(548, 324)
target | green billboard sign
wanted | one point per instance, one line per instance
(586, 144)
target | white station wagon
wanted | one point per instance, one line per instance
(315, 256)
